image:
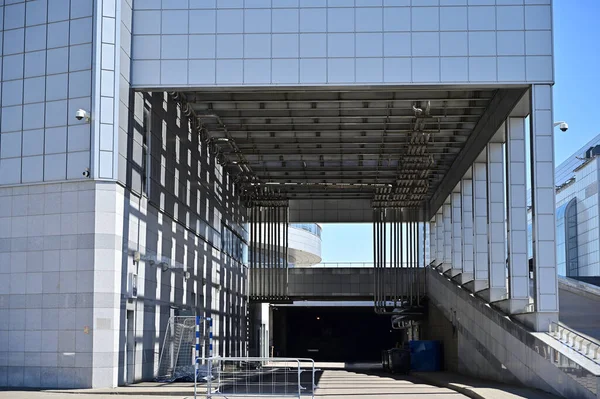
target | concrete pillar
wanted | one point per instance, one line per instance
(480, 218)
(439, 235)
(432, 241)
(466, 191)
(447, 215)
(457, 261)
(518, 267)
(496, 226)
(543, 211)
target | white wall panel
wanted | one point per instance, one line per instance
(479, 31)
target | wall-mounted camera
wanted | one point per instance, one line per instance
(82, 114)
(86, 172)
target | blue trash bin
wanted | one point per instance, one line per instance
(425, 355)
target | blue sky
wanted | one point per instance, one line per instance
(576, 101)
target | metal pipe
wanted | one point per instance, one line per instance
(394, 265)
(273, 250)
(252, 251)
(378, 258)
(374, 259)
(261, 253)
(280, 250)
(402, 256)
(287, 224)
(384, 248)
(419, 270)
(278, 254)
(410, 265)
(269, 250)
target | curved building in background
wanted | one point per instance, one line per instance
(304, 244)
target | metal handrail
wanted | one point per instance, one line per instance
(359, 264)
(571, 337)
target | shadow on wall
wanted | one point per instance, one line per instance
(175, 204)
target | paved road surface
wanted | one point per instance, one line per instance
(580, 313)
(333, 384)
(338, 384)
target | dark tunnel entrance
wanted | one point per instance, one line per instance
(332, 334)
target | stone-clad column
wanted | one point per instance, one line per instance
(457, 261)
(496, 225)
(447, 215)
(543, 210)
(480, 229)
(518, 266)
(439, 227)
(432, 241)
(466, 192)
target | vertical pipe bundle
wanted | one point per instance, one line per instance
(397, 245)
(269, 250)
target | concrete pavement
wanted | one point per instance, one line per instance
(332, 384)
(479, 389)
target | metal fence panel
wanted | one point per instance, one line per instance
(258, 377)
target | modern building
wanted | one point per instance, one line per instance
(577, 213)
(142, 144)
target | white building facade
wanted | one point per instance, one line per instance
(136, 193)
(577, 206)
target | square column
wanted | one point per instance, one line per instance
(432, 241)
(466, 192)
(543, 211)
(447, 215)
(439, 236)
(457, 261)
(518, 267)
(480, 219)
(496, 227)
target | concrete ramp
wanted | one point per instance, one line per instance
(483, 342)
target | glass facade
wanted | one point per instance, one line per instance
(566, 240)
(234, 245)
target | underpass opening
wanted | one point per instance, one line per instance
(348, 334)
(389, 156)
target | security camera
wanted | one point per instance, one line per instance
(82, 114)
(86, 172)
(563, 127)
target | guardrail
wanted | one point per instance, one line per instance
(359, 264)
(578, 342)
(228, 377)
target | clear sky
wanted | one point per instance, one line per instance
(576, 101)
